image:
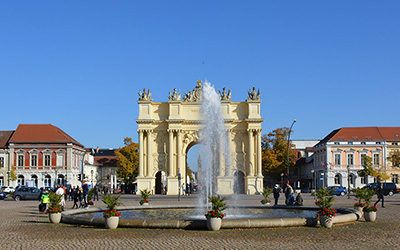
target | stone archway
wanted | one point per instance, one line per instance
(167, 129)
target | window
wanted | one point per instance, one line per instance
(34, 178)
(395, 143)
(337, 159)
(47, 160)
(363, 143)
(350, 159)
(33, 160)
(20, 160)
(378, 142)
(21, 180)
(364, 180)
(337, 143)
(350, 143)
(352, 179)
(395, 178)
(2, 162)
(47, 181)
(60, 159)
(1, 181)
(362, 160)
(338, 179)
(376, 159)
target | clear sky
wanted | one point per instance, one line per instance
(80, 64)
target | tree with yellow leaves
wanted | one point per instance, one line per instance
(275, 153)
(128, 160)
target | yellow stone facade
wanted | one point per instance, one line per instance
(167, 130)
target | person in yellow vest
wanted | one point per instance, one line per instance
(45, 200)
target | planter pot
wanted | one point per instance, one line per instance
(326, 221)
(112, 222)
(145, 204)
(370, 216)
(359, 209)
(55, 217)
(214, 224)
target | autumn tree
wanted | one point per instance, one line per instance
(275, 153)
(128, 160)
(368, 169)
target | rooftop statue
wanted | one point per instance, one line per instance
(174, 96)
(145, 95)
(195, 94)
(225, 95)
(253, 95)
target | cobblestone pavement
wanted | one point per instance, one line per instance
(22, 227)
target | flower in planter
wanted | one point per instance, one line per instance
(145, 194)
(55, 203)
(112, 202)
(218, 205)
(327, 211)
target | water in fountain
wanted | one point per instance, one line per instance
(213, 139)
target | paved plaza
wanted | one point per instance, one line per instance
(22, 227)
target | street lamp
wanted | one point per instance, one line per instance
(179, 185)
(348, 181)
(288, 146)
(312, 181)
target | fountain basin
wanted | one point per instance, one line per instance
(180, 219)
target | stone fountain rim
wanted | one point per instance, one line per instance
(345, 215)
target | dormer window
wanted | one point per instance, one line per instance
(337, 143)
(363, 143)
(350, 143)
(378, 142)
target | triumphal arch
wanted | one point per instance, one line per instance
(168, 129)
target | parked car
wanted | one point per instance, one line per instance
(26, 193)
(338, 190)
(389, 188)
(3, 195)
(7, 189)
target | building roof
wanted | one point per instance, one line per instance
(41, 133)
(5, 137)
(363, 134)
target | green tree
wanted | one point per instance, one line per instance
(13, 174)
(128, 160)
(367, 170)
(275, 153)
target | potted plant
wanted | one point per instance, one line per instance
(325, 201)
(145, 194)
(54, 209)
(111, 215)
(266, 193)
(215, 215)
(90, 197)
(360, 195)
(369, 210)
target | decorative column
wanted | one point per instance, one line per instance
(179, 149)
(171, 153)
(251, 153)
(141, 153)
(149, 154)
(221, 159)
(259, 153)
(228, 168)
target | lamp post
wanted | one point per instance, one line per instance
(348, 181)
(312, 179)
(179, 185)
(91, 175)
(8, 177)
(288, 146)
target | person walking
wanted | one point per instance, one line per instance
(85, 190)
(379, 193)
(75, 197)
(276, 191)
(289, 195)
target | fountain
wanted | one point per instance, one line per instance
(213, 141)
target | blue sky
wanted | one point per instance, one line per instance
(80, 64)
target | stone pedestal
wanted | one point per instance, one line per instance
(172, 186)
(254, 184)
(225, 185)
(145, 183)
